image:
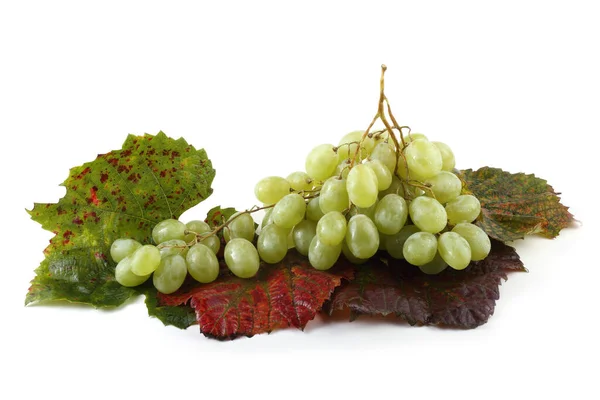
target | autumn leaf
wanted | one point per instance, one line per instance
(515, 205)
(464, 299)
(286, 294)
(123, 193)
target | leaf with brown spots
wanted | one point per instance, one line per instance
(120, 194)
(289, 293)
(515, 205)
(463, 299)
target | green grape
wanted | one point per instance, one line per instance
(384, 176)
(333, 196)
(394, 244)
(242, 258)
(322, 256)
(122, 248)
(362, 236)
(362, 186)
(241, 226)
(167, 230)
(300, 181)
(202, 263)
(213, 242)
(303, 234)
(454, 249)
(321, 162)
(145, 260)
(395, 188)
(170, 274)
(331, 229)
(479, 242)
(313, 208)
(448, 161)
(271, 189)
(267, 219)
(428, 214)
(386, 154)
(464, 208)
(390, 214)
(173, 247)
(125, 277)
(194, 227)
(423, 158)
(343, 168)
(350, 257)
(272, 243)
(346, 151)
(434, 267)
(445, 186)
(289, 211)
(414, 136)
(420, 248)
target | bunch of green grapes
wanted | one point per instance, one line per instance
(368, 194)
(182, 249)
(373, 193)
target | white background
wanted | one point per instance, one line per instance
(507, 84)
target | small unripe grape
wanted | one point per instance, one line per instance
(167, 230)
(334, 196)
(361, 185)
(300, 181)
(289, 211)
(321, 162)
(271, 189)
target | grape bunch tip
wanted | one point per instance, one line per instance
(377, 190)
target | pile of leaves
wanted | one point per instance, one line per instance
(153, 177)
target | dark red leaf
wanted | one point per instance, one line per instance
(464, 299)
(286, 294)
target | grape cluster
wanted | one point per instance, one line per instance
(373, 192)
(177, 253)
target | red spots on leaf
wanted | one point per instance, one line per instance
(124, 168)
(91, 216)
(174, 154)
(67, 237)
(93, 197)
(150, 201)
(151, 152)
(103, 177)
(113, 161)
(77, 220)
(99, 256)
(126, 153)
(61, 211)
(163, 173)
(134, 177)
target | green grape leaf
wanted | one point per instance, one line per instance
(463, 299)
(123, 193)
(515, 205)
(289, 293)
(179, 316)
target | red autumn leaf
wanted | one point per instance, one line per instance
(286, 294)
(464, 299)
